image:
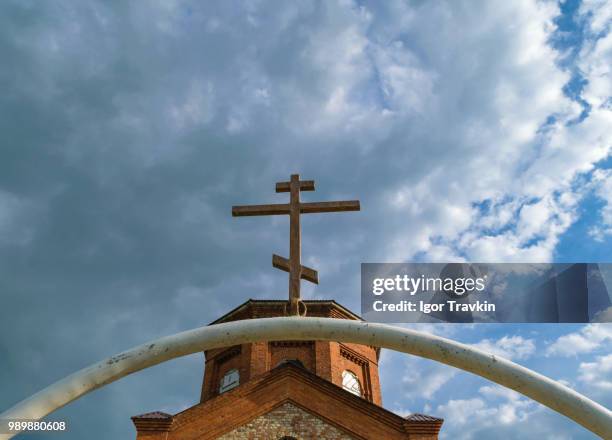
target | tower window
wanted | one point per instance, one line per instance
(230, 380)
(350, 383)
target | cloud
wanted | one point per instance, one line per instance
(428, 381)
(509, 347)
(594, 64)
(588, 339)
(414, 378)
(597, 374)
(498, 412)
(598, 14)
(496, 407)
(17, 222)
(423, 379)
(602, 181)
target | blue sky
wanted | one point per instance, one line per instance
(470, 131)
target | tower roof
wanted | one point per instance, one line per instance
(153, 415)
(266, 308)
(417, 417)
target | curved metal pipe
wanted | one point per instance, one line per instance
(554, 395)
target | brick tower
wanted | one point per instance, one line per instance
(288, 390)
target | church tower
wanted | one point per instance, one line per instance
(350, 366)
(289, 390)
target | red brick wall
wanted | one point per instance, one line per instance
(259, 359)
(287, 350)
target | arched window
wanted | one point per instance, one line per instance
(350, 383)
(230, 380)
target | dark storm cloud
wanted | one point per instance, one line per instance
(125, 202)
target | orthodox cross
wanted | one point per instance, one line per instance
(294, 208)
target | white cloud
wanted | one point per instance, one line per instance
(432, 376)
(509, 347)
(423, 379)
(500, 152)
(602, 181)
(501, 413)
(599, 14)
(594, 63)
(497, 391)
(597, 374)
(496, 406)
(589, 338)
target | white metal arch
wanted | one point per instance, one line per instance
(560, 398)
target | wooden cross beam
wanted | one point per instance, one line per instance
(294, 208)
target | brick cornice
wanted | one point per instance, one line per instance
(257, 308)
